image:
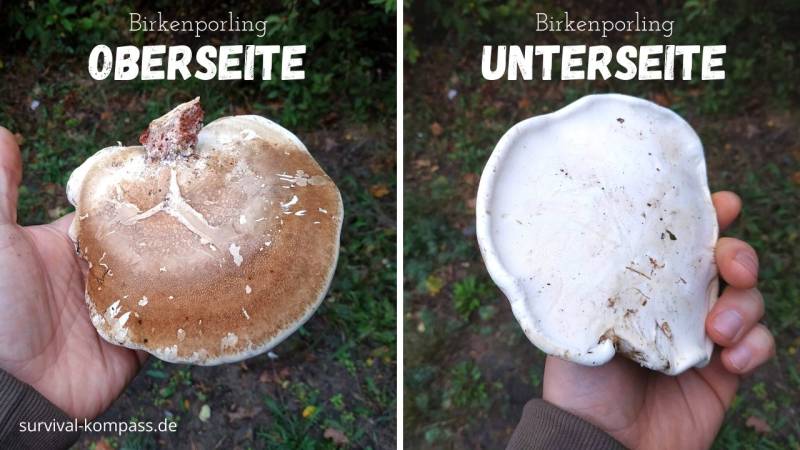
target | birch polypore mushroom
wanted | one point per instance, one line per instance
(205, 247)
(596, 222)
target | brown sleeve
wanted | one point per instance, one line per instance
(21, 409)
(544, 426)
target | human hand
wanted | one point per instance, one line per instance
(46, 337)
(644, 409)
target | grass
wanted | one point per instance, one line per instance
(335, 377)
(469, 368)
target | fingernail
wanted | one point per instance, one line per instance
(728, 323)
(748, 261)
(740, 357)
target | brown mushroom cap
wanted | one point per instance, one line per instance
(209, 258)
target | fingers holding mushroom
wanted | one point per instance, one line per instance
(737, 262)
(10, 176)
(754, 349)
(728, 206)
(733, 324)
(736, 313)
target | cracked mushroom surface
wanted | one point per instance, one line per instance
(206, 247)
(596, 222)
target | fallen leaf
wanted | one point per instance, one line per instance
(758, 424)
(379, 166)
(19, 138)
(379, 190)
(330, 144)
(309, 411)
(265, 377)
(336, 436)
(243, 413)
(436, 129)
(420, 163)
(796, 178)
(243, 366)
(106, 115)
(523, 103)
(51, 188)
(330, 117)
(662, 99)
(470, 178)
(433, 284)
(102, 444)
(382, 350)
(750, 131)
(205, 413)
(471, 202)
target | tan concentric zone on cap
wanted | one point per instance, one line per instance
(186, 299)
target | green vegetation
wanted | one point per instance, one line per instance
(469, 368)
(468, 294)
(341, 364)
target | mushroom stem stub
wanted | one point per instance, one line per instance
(175, 133)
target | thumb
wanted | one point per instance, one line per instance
(63, 223)
(10, 176)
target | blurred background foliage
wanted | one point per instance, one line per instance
(469, 369)
(333, 382)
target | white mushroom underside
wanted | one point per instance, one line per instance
(596, 222)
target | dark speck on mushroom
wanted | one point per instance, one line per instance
(671, 236)
(620, 120)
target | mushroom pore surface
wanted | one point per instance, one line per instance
(596, 222)
(210, 255)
